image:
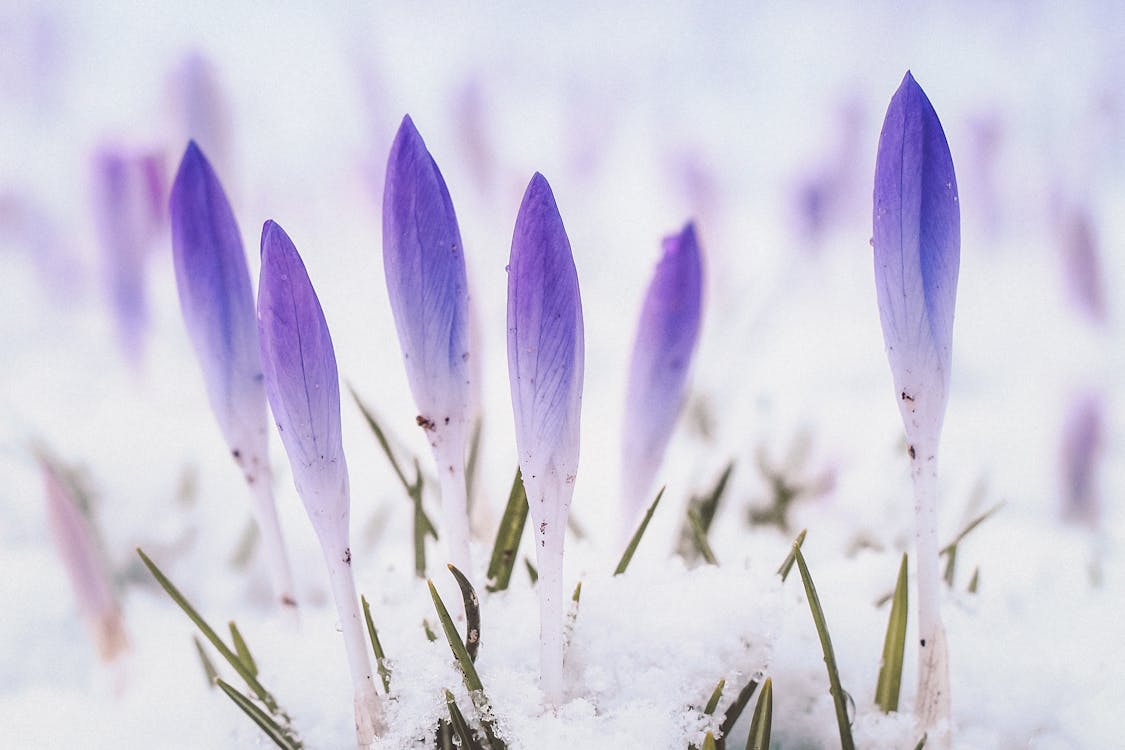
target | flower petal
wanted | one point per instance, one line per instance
(424, 263)
(301, 380)
(917, 239)
(218, 304)
(545, 341)
(662, 352)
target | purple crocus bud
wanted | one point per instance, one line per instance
(303, 387)
(917, 240)
(545, 367)
(662, 352)
(218, 308)
(74, 540)
(424, 264)
(1083, 443)
(125, 187)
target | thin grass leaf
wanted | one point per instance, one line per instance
(787, 566)
(947, 549)
(472, 612)
(376, 646)
(468, 671)
(699, 536)
(242, 650)
(922, 742)
(627, 555)
(890, 670)
(713, 701)
(839, 698)
(208, 667)
(431, 636)
(974, 582)
(708, 506)
(232, 658)
(762, 720)
(472, 460)
(380, 436)
(445, 736)
(709, 742)
(732, 714)
(460, 726)
(950, 566)
(532, 573)
(508, 537)
(280, 736)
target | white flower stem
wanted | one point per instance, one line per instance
(933, 706)
(273, 542)
(368, 709)
(450, 459)
(549, 556)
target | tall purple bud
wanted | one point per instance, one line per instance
(127, 199)
(658, 374)
(917, 239)
(424, 263)
(89, 577)
(545, 367)
(218, 308)
(303, 388)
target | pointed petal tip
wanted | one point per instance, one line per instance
(408, 134)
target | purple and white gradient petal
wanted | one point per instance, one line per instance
(424, 264)
(218, 308)
(545, 368)
(917, 238)
(661, 360)
(303, 387)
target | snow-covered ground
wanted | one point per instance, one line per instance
(760, 124)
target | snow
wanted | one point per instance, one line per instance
(641, 116)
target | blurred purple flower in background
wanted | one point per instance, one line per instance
(200, 106)
(545, 367)
(303, 387)
(658, 372)
(128, 204)
(424, 264)
(1084, 434)
(917, 240)
(218, 309)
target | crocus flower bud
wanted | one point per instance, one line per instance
(545, 367)
(424, 264)
(303, 387)
(74, 540)
(662, 352)
(917, 239)
(218, 308)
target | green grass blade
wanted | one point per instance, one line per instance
(380, 436)
(730, 717)
(974, 582)
(762, 720)
(376, 646)
(708, 505)
(971, 526)
(468, 671)
(431, 636)
(508, 537)
(839, 699)
(894, 645)
(713, 701)
(242, 650)
(209, 632)
(787, 564)
(631, 548)
(460, 726)
(208, 667)
(922, 742)
(950, 566)
(472, 612)
(265, 722)
(699, 536)
(532, 573)
(709, 742)
(472, 461)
